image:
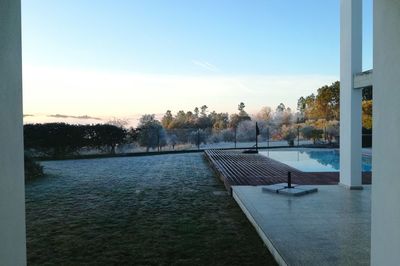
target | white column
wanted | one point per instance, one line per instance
(385, 223)
(350, 98)
(12, 196)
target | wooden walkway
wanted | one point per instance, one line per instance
(236, 168)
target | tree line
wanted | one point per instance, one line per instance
(317, 116)
(322, 110)
(325, 105)
(59, 139)
(198, 127)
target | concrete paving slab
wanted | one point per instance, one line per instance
(331, 227)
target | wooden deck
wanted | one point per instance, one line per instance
(236, 168)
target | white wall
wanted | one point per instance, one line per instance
(350, 98)
(385, 237)
(12, 196)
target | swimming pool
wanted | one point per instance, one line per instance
(313, 160)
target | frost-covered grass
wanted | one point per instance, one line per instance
(153, 210)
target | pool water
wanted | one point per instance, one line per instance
(314, 160)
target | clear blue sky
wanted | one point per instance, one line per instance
(206, 38)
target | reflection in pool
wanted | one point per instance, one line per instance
(313, 160)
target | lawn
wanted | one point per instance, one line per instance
(151, 210)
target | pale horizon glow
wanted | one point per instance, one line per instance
(121, 94)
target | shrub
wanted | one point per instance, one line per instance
(227, 135)
(317, 134)
(246, 131)
(289, 134)
(332, 130)
(32, 168)
(306, 131)
(310, 132)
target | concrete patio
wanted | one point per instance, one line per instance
(330, 227)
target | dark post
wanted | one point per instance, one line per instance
(235, 136)
(289, 179)
(198, 139)
(256, 136)
(298, 136)
(158, 140)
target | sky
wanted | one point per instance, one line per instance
(88, 61)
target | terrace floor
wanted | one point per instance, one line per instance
(330, 227)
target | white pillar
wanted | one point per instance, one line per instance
(350, 98)
(12, 196)
(385, 220)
